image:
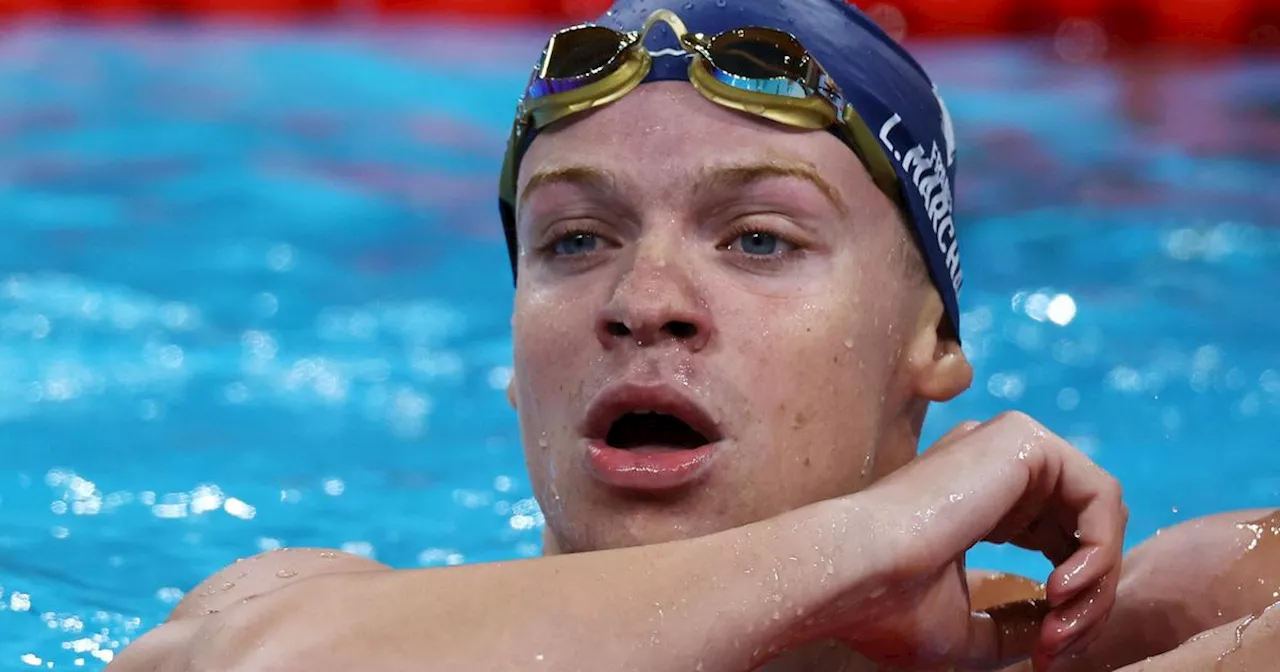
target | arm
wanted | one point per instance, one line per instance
(1203, 576)
(871, 569)
(1249, 643)
(259, 575)
(710, 599)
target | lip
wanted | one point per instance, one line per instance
(648, 468)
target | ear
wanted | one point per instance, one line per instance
(937, 366)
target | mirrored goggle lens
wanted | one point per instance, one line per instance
(575, 58)
(760, 59)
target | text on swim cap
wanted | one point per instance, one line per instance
(929, 177)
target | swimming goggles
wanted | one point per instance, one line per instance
(757, 70)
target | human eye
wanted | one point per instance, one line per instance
(758, 245)
(573, 242)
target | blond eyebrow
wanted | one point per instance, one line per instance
(589, 177)
(738, 175)
(712, 177)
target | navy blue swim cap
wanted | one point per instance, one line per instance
(888, 88)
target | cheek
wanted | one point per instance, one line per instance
(815, 367)
(538, 326)
(551, 350)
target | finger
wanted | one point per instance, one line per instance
(1039, 521)
(1004, 635)
(1050, 537)
(1076, 624)
(1102, 520)
(961, 487)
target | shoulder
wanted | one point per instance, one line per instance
(1210, 570)
(260, 574)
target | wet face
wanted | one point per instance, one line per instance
(712, 324)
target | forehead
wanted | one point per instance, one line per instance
(665, 132)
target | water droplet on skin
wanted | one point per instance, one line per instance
(848, 343)
(543, 442)
(228, 585)
(286, 573)
(1239, 643)
(1077, 534)
(328, 555)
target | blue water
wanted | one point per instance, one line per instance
(252, 294)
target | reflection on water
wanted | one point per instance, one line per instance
(253, 294)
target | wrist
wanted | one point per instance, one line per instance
(812, 566)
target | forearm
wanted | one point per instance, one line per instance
(724, 602)
(1250, 643)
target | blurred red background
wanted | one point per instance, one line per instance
(1203, 23)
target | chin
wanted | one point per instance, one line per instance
(641, 522)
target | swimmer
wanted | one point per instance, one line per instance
(737, 285)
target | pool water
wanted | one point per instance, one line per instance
(253, 293)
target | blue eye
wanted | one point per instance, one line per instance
(759, 243)
(576, 243)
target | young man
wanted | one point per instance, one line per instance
(736, 298)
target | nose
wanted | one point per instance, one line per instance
(655, 302)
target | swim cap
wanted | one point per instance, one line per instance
(889, 89)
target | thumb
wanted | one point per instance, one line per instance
(1004, 635)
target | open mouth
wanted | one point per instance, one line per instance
(651, 429)
(635, 417)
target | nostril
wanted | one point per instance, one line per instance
(681, 330)
(617, 329)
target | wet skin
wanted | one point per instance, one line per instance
(756, 275)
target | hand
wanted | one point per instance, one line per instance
(1007, 480)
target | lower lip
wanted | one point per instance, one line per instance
(648, 468)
